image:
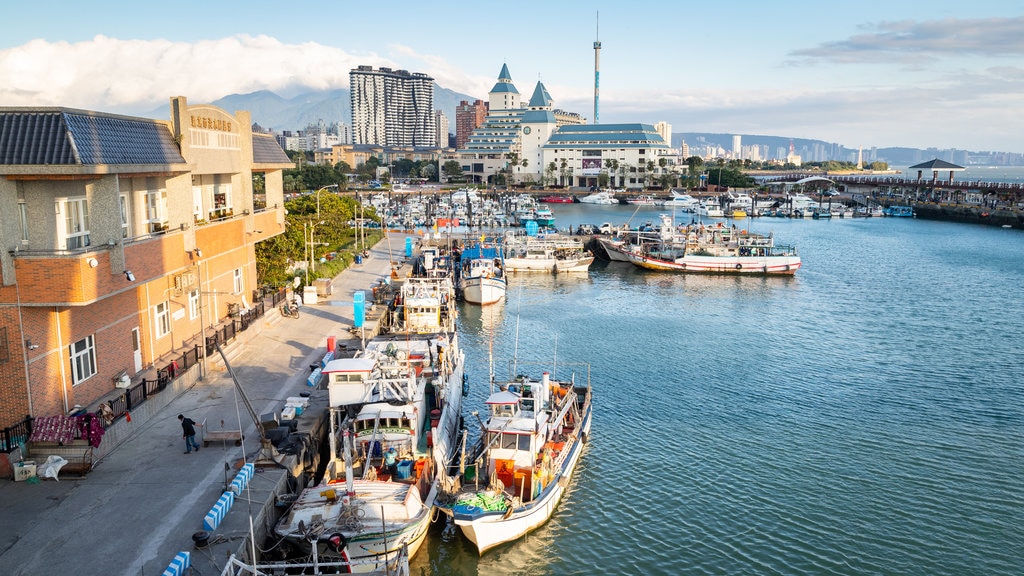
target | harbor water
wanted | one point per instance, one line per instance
(863, 417)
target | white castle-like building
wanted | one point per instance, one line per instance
(533, 142)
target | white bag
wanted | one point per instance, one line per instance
(51, 467)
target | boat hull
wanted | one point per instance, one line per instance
(493, 528)
(478, 290)
(613, 249)
(764, 265)
(556, 265)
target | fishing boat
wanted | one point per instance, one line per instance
(713, 249)
(544, 216)
(599, 197)
(482, 272)
(545, 253)
(711, 209)
(557, 199)
(531, 442)
(899, 211)
(642, 200)
(402, 394)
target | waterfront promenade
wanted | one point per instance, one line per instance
(145, 499)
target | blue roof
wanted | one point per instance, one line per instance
(504, 83)
(539, 117)
(605, 136)
(540, 96)
(63, 136)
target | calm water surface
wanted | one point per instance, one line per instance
(863, 417)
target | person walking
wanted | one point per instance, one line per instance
(188, 432)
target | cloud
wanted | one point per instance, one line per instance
(106, 73)
(912, 42)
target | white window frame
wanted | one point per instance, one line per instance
(83, 360)
(239, 279)
(73, 222)
(162, 319)
(23, 219)
(193, 304)
(197, 202)
(156, 209)
(125, 219)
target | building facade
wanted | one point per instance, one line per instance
(533, 142)
(392, 107)
(122, 239)
(468, 117)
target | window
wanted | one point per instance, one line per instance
(222, 194)
(239, 283)
(23, 219)
(193, 304)
(162, 318)
(197, 201)
(5, 352)
(83, 360)
(125, 230)
(76, 222)
(156, 210)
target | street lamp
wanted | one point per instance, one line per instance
(321, 189)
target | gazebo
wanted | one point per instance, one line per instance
(936, 166)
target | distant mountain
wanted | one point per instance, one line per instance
(279, 114)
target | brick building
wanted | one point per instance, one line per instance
(468, 117)
(122, 238)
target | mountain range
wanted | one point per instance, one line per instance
(273, 112)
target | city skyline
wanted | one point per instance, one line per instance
(944, 76)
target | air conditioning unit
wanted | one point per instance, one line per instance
(123, 380)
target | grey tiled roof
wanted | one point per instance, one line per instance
(266, 150)
(68, 137)
(936, 164)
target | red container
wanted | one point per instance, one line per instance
(330, 343)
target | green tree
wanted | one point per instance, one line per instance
(452, 169)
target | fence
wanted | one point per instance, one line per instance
(131, 398)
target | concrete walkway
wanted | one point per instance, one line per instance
(145, 498)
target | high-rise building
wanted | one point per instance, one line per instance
(441, 127)
(664, 129)
(468, 117)
(737, 146)
(392, 107)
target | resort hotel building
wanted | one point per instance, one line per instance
(124, 240)
(532, 142)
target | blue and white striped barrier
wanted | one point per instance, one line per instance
(314, 378)
(177, 567)
(219, 511)
(327, 358)
(242, 478)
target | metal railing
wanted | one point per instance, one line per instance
(132, 397)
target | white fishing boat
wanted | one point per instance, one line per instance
(545, 253)
(532, 440)
(482, 273)
(404, 393)
(713, 249)
(711, 209)
(599, 197)
(642, 200)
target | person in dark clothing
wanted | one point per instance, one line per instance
(188, 432)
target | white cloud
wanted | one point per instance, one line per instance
(106, 73)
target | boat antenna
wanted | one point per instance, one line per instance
(515, 350)
(554, 367)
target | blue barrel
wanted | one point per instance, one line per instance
(359, 258)
(408, 247)
(359, 308)
(531, 227)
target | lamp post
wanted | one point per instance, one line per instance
(321, 189)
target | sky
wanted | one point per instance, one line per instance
(938, 74)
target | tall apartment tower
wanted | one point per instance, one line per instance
(737, 146)
(441, 127)
(392, 107)
(468, 117)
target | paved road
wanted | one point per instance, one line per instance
(143, 501)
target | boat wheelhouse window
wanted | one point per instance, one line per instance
(503, 410)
